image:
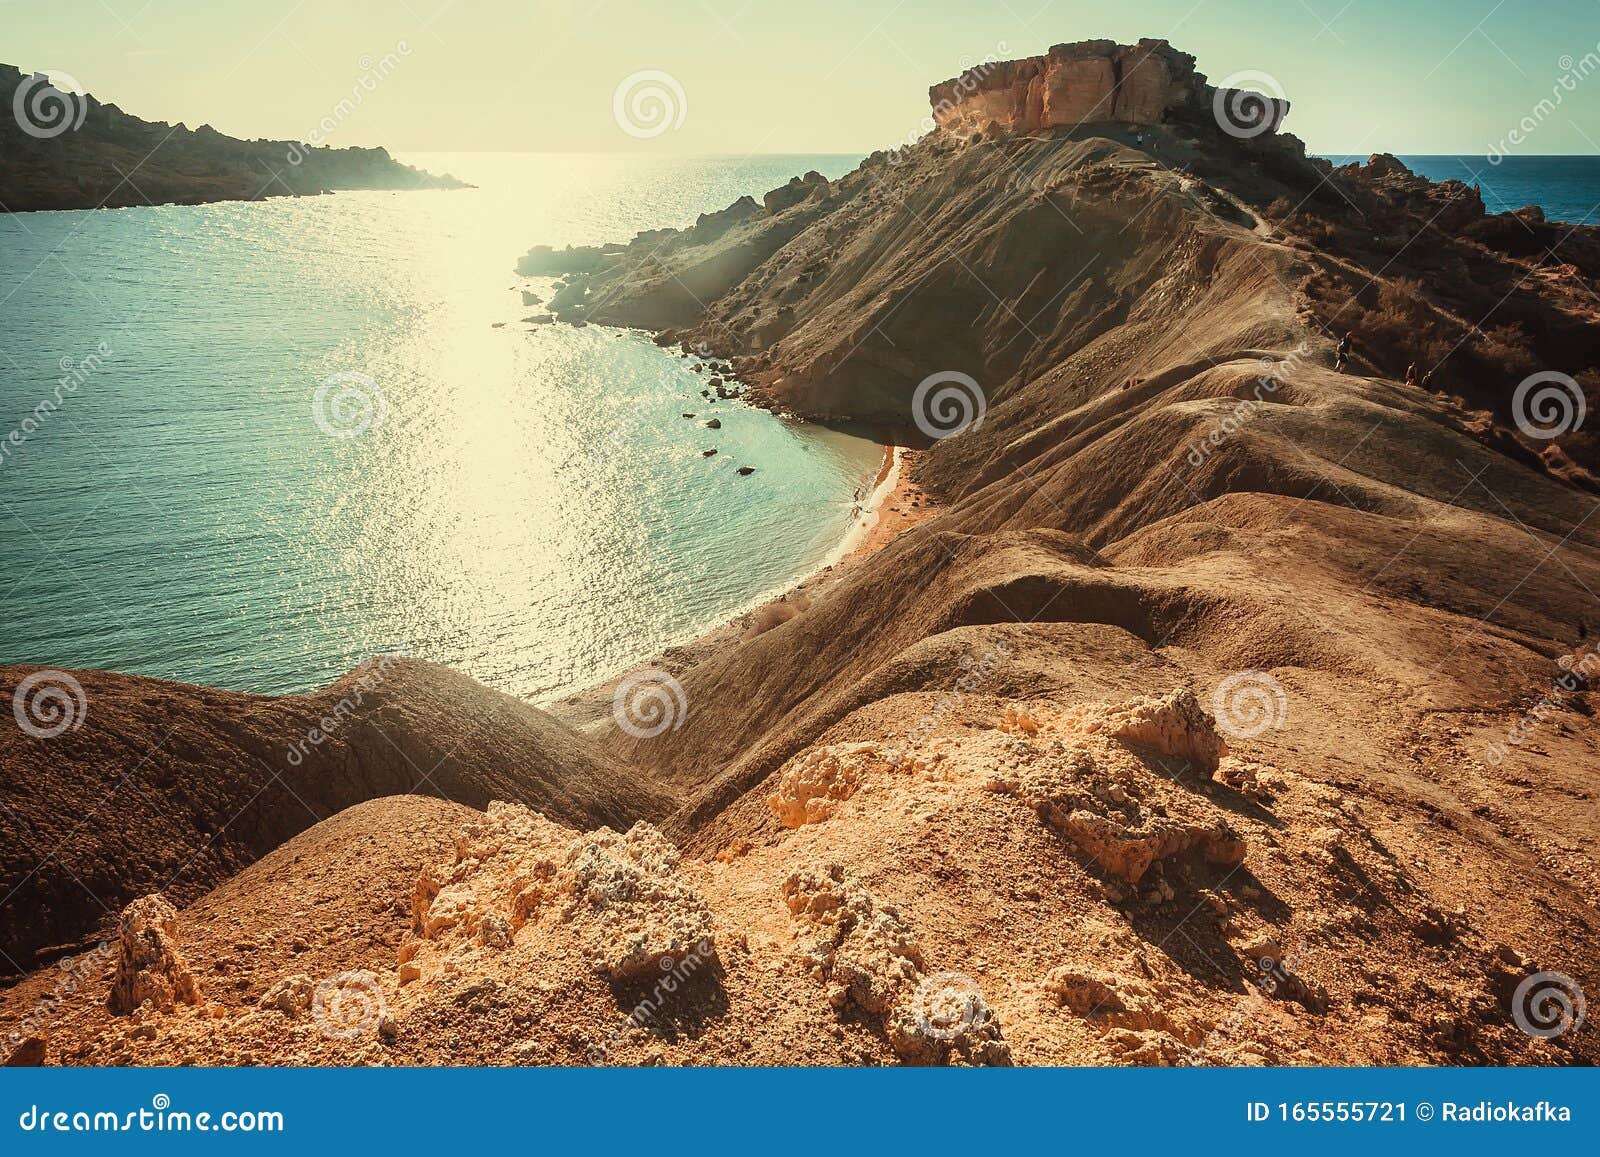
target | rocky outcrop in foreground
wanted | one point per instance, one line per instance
(64, 150)
(170, 788)
(930, 918)
(150, 965)
(619, 895)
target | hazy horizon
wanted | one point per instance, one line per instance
(768, 78)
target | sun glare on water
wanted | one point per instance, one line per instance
(338, 437)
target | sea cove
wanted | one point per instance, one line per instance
(526, 502)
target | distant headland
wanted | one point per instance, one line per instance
(67, 150)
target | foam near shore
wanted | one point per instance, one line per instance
(893, 505)
(865, 535)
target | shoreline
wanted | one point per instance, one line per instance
(867, 512)
(896, 504)
(892, 506)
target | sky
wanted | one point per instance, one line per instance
(796, 76)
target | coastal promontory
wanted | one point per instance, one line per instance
(61, 149)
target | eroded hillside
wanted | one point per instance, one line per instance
(1228, 708)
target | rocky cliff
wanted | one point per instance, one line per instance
(1090, 82)
(63, 150)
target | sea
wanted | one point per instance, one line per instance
(251, 445)
(1566, 188)
(277, 438)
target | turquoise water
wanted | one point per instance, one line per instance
(1566, 188)
(524, 503)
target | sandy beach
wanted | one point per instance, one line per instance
(894, 505)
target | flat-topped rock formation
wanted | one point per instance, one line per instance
(1088, 82)
(61, 150)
